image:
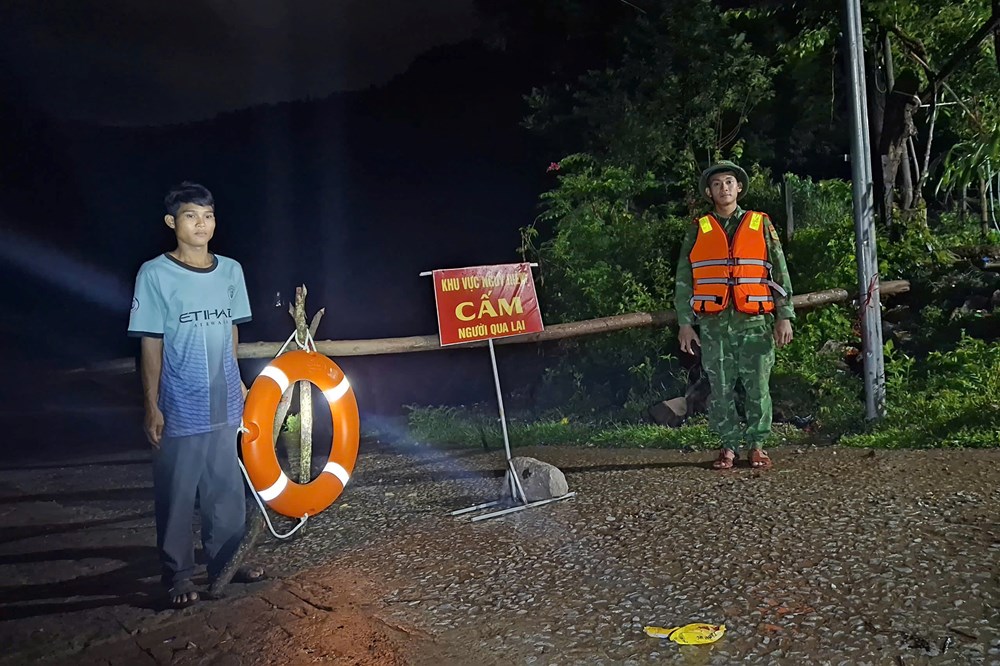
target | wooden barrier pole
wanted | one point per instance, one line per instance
(421, 343)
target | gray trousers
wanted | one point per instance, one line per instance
(203, 466)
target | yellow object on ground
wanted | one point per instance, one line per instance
(697, 633)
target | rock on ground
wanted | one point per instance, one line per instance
(539, 480)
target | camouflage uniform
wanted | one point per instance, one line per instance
(736, 346)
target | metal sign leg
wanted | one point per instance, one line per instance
(516, 489)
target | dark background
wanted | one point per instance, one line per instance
(421, 165)
(350, 145)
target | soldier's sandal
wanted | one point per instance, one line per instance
(725, 460)
(759, 459)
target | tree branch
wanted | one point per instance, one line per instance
(916, 161)
(973, 116)
(963, 51)
(317, 318)
(912, 44)
(930, 139)
(996, 34)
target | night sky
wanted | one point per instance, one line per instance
(162, 61)
(349, 145)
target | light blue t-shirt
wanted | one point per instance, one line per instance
(194, 311)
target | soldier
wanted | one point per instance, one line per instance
(732, 279)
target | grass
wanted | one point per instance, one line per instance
(291, 424)
(474, 427)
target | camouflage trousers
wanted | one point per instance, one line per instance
(743, 353)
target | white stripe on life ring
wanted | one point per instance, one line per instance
(337, 392)
(269, 494)
(338, 471)
(280, 378)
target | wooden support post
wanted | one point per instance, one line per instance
(984, 209)
(789, 211)
(255, 521)
(298, 313)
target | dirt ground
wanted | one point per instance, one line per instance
(865, 557)
(77, 555)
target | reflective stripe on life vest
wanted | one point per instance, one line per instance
(770, 283)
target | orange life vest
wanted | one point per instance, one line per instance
(737, 270)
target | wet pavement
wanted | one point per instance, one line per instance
(836, 556)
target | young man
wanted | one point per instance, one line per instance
(186, 308)
(732, 279)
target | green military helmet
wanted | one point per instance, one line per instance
(722, 166)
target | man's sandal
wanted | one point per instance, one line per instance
(182, 595)
(726, 459)
(759, 460)
(249, 574)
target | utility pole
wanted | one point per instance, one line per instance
(870, 307)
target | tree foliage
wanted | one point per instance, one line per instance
(605, 248)
(606, 254)
(685, 84)
(685, 87)
(938, 50)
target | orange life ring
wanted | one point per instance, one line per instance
(260, 459)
